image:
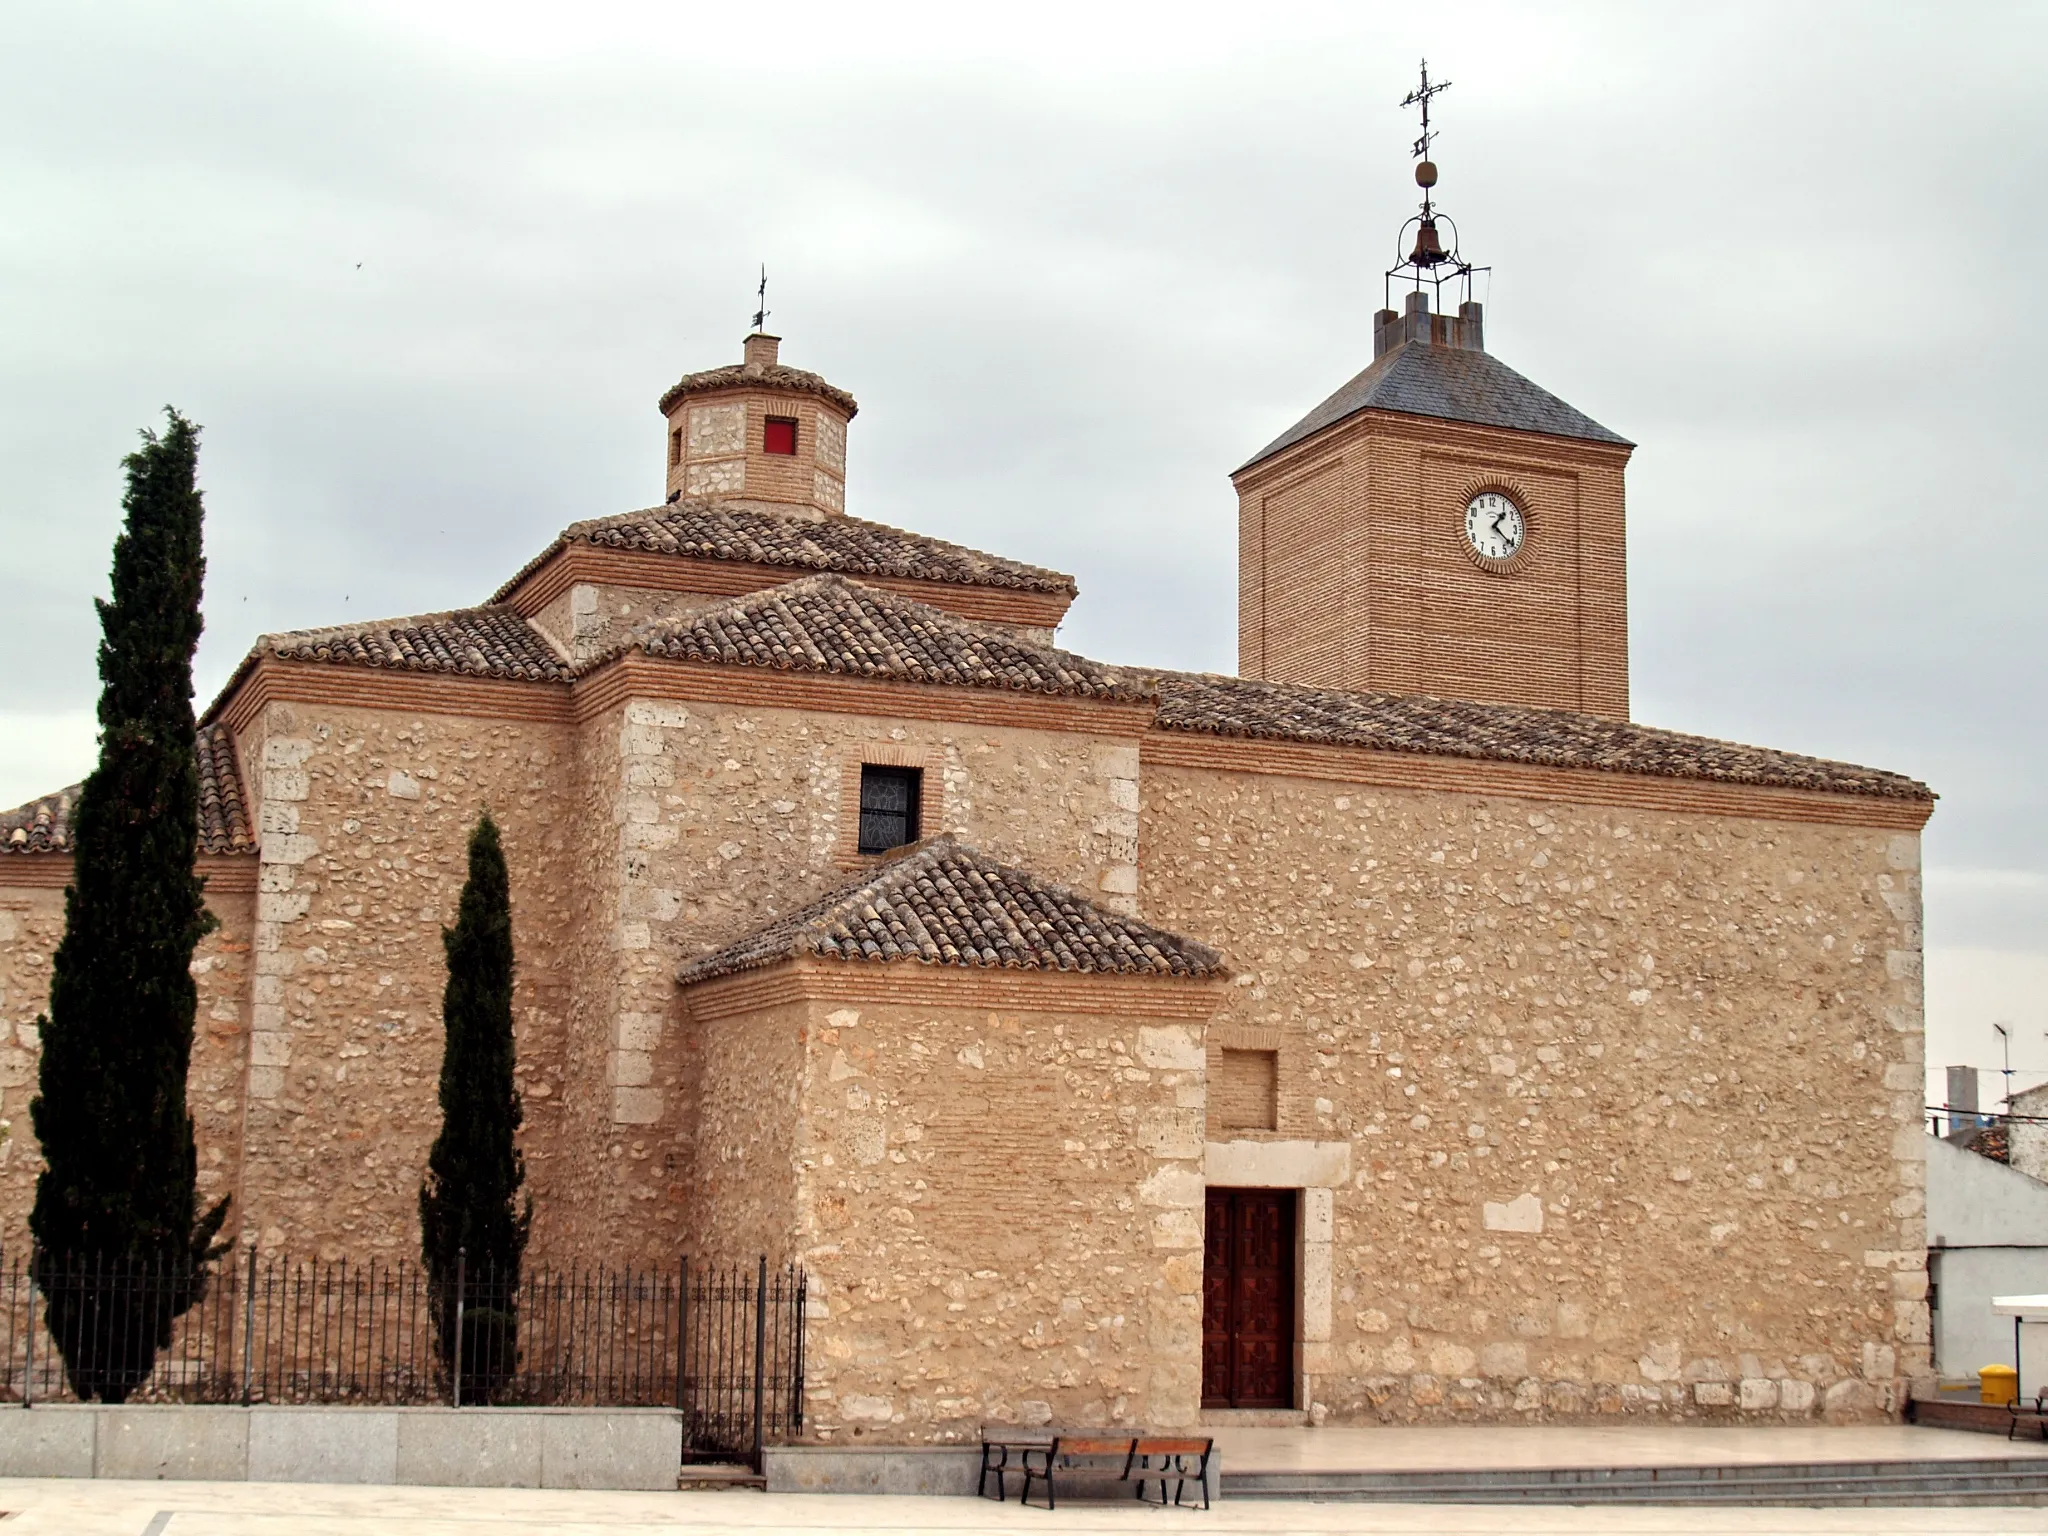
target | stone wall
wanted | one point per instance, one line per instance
(708, 821)
(1632, 1097)
(591, 618)
(31, 926)
(745, 1100)
(364, 818)
(999, 1209)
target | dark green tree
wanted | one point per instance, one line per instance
(473, 1222)
(119, 1191)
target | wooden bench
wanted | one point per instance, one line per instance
(2034, 1412)
(1178, 1460)
(1137, 1459)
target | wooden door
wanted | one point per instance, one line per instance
(1248, 1299)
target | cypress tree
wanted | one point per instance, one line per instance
(119, 1187)
(470, 1206)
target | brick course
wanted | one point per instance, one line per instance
(1353, 570)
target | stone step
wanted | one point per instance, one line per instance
(1987, 1480)
(713, 1476)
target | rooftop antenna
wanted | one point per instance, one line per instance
(1430, 261)
(761, 314)
(2005, 1035)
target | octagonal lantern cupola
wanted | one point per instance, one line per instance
(759, 434)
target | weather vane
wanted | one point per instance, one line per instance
(761, 314)
(1425, 173)
(1430, 261)
(1420, 97)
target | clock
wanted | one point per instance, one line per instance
(1495, 528)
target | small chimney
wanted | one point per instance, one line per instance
(1962, 1102)
(760, 351)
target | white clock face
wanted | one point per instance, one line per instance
(1494, 526)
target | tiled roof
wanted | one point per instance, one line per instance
(472, 642)
(41, 826)
(223, 807)
(702, 530)
(830, 624)
(944, 903)
(44, 826)
(1554, 738)
(1450, 384)
(774, 376)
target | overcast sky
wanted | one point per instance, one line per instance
(421, 271)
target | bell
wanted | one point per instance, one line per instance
(1429, 250)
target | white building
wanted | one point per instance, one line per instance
(1987, 1235)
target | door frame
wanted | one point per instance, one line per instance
(1315, 1171)
(1295, 1383)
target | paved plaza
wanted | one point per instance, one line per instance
(1465, 1447)
(107, 1508)
(270, 1509)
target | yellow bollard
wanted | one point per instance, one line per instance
(1998, 1384)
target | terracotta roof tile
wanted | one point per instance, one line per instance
(943, 903)
(1553, 738)
(830, 624)
(702, 530)
(473, 642)
(779, 376)
(41, 826)
(223, 807)
(44, 826)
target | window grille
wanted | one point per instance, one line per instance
(888, 806)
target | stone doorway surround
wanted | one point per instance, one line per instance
(1317, 1169)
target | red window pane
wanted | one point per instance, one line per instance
(781, 435)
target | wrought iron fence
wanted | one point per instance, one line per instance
(723, 1344)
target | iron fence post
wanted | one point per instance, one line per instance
(28, 1382)
(796, 1371)
(249, 1326)
(682, 1324)
(760, 1351)
(461, 1277)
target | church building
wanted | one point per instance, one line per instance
(1393, 1031)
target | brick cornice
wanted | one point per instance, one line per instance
(270, 680)
(636, 675)
(225, 874)
(911, 983)
(652, 571)
(1498, 445)
(1522, 781)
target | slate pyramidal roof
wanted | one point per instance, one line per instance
(1447, 383)
(941, 902)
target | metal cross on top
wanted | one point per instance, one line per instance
(761, 314)
(1420, 97)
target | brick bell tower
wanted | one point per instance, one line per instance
(760, 435)
(1440, 524)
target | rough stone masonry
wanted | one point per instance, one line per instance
(1588, 1056)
